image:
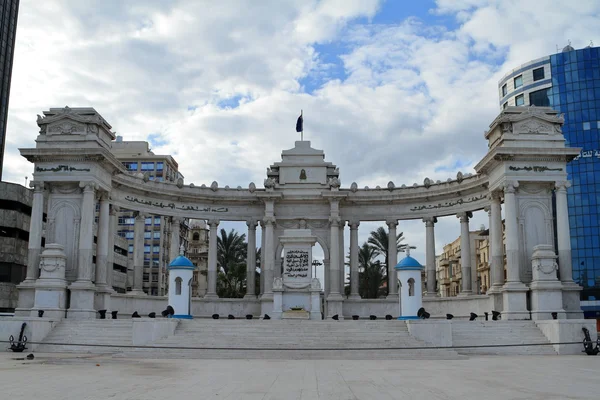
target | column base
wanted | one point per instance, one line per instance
(26, 290)
(334, 306)
(465, 293)
(354, 297)
(137, 292)
(546, 298)
(431, 295)
(82, 300)
(102, 297)
(267, 296)
(250, 296)
(393, 296)
(266, 305)
(571, 300)
(514, 298)
(496, 299)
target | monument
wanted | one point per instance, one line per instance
(297, 294)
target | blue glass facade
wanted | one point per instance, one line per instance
(576, 93)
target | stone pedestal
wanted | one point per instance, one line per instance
(51, 286)
(26, 298)
(277, 311)
(571, 293)
(514, 301)
(102, 297)
(546, 295)
(82, 300)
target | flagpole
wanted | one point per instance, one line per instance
(302, 131)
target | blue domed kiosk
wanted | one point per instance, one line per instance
(181, 271)
(411, 292)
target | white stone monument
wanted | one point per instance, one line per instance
(181, 271)
(51, 286)
(411, 292)
(546, 289)
(296, 294)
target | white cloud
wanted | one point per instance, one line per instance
(412, 98)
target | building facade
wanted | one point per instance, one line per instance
(15, 215)
(569, 82)
(138, 159)
(9, 10)
(197, 252)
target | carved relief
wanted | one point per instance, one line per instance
(533, 126)
(66, 128)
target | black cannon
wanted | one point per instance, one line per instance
(18, 346)
(588, 344)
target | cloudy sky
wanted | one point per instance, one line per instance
(391, 90)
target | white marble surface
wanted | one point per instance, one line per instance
(489, 378)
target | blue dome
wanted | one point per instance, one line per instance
(408, 263)
(181, 262)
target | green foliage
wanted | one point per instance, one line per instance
(231, 264)
(371, 273)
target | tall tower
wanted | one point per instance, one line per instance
(569, 82)
(9, 9)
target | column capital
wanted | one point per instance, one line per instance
(176, 220)
(464, 216)
(114, 209)
(37, 186)
(334, 220)
(251, 223)
(140, 215)
(487, 209)
(213, 222)
(353, 223)
(391, 222)
(495, 196)
(562, 186)
(430, 221)
(342, 223)
(88, 186)
(511, 186)
(103, 195)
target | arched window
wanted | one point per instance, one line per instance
(196, 236)
(411, 287)
(178, 285)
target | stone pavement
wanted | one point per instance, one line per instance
(56, 376)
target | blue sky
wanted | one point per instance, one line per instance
(391, 90)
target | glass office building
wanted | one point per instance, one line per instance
(569, 82)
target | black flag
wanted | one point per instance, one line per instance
(300, 123)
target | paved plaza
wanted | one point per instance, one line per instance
(55, 376)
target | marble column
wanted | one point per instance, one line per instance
(262, 257)
(86, 233)
(103, 290)
(35, 231)
(102, 241)
(514, 292)
(392, 258)
(138, 253)
(211, 292)
(354, 294)
(83, 290)
(251, 260)
(269, 256)
(512, 233)
(342, 259)
(174, 249)
(334, 259)
(34, 251)
(113, 225)
(496, 244)
(430, 255)
(563, 234)
(465, 253)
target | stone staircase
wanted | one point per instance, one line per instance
(259, 339)
(88, 332)
(476, 333)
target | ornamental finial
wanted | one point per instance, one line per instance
(181, 250)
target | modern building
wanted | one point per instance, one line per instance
(138, 158)
(15, 214)
(9, 10)
(569, 82)
(449, 265)
(197, 252)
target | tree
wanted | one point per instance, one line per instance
(231, 264)
(371, 273)
(379, 239)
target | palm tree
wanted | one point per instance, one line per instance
(371, 273)
(379, 239)
(231, 264)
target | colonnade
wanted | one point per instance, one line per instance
(107, 225)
